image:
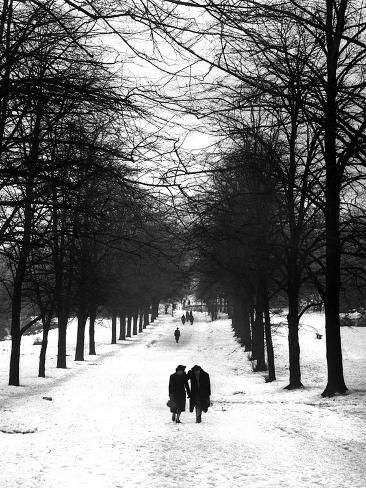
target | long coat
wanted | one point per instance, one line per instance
(178, 385)
(201, 392)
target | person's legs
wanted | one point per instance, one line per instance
(198, 411)
(178, 417)
(198, 414)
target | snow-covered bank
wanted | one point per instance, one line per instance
(313, 362)
(30, 356)
(29, 396)
(108, 425)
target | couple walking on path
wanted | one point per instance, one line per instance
(188, 317)
(198, 393)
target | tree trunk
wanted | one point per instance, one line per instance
(114, 328)
(229, 306)
(80, 338)
(135, 322)
(129, 320)
(43, 351)
(141, 321)
(267, 327)
(293, 331)
(61, 346)
(155, 309)
(92, 318)
(252, 317)
(25, 247)
(146, 318)
(14, 360)
(59, 293)
(258, 334)
(16, 336)
(16, 299)
(245, 326)
(122, 326)
(235, 319)
(335, 383)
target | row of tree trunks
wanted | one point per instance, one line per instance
(241, 322)
(254, 329)
(213, 309)
(135, 321)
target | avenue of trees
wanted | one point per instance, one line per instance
(272, 214)
(284, 214)
(284, 89)
(80, 236)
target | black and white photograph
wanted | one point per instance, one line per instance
(182, 244)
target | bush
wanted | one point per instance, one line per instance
(353, 319)
(37, 341)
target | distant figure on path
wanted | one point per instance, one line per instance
(191, 318)
(183, 319)
(177, 334)
(187, 316)
(200, 391)
(178, 385)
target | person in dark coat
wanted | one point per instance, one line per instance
(178, 386)
(200, 391)
(183, 319)
(177, 334)
(191, 319)
(187, 316)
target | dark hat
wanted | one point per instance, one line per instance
(180, 366)
(196, 367)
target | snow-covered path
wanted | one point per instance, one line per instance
(108, 425)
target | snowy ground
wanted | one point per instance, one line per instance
(108, 426)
